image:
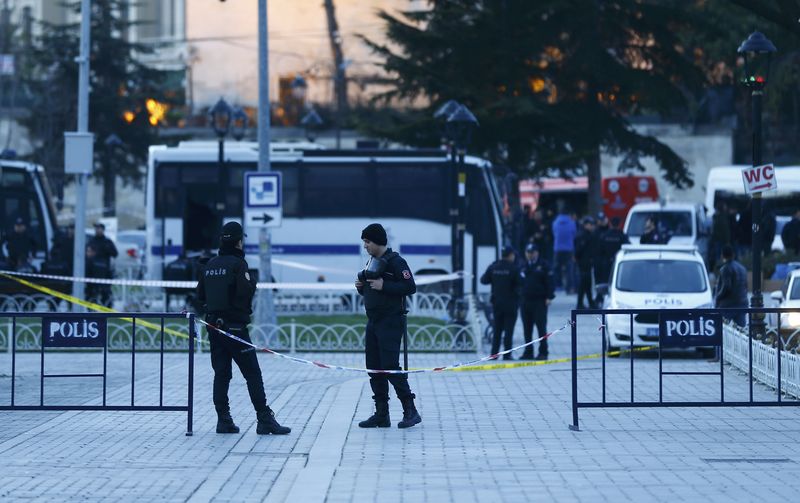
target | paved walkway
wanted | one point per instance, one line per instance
(485, 436)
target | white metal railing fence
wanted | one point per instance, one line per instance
(285, 337)
(765, 361)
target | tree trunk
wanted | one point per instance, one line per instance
(109, 192)
(340, 78)
(595, 203)
(339, 70)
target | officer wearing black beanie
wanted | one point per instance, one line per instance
(226, 290)
(385, 282)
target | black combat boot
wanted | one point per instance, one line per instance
(378, 420)
(267, 424)
(410, 414)
(225, 423)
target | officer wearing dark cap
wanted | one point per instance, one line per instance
(537, 293)
(226, 289)
(504, 276)
(385, 282)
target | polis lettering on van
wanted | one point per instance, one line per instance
(663, 301)
(89, 331)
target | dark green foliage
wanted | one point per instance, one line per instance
(551, 81)
(119, 83)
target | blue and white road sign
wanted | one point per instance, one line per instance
(262, 200)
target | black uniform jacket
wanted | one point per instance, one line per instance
(586, 249)
(537, 281)
(226, 288)
(731, 290)
(505, 280)
(398, 282)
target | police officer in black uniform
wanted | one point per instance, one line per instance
(611, 240)
(653, 234)
(537, 293)
(21, 246)
(385, 283)
(226, 289)
(505, 279)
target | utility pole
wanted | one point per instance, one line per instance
(81, 179)
(265, 312)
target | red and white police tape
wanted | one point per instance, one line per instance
(379, 371)
(423, 280)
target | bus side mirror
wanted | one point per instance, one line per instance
(776, 295)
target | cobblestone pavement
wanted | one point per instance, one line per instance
(486, 435)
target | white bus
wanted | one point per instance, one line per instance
(25, 193)
(328, 197)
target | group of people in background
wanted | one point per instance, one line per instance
(579, 250)
(21, 247)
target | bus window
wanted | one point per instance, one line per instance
(343, 191)
(412, 192)
(479, 217)
(13, 178)
(290, 180)
(168, 200)
(22, 201)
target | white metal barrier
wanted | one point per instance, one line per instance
(765, 362)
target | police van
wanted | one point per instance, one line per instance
(652, 277)
(25, 193)
(685, 223)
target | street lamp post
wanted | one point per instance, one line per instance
(757, 51)
(220, 118)
(461, 124)
(442, 114)
(311, 122)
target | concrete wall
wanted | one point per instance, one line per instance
(701, 151)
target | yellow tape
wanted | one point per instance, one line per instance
(492, 366)
(91, 305)
(536, 363)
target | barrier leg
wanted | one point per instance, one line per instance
(190, 397)
(574, 343)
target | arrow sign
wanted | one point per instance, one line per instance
(262, 199)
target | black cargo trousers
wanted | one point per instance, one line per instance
(383, 337)
(224, 351)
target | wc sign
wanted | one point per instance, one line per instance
(686, 329)
(71, 332)
(759, 179)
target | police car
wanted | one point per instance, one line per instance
(652, 277)
(788, 297)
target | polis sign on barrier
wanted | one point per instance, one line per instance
(71, 332)
(683, 329)
(759, 179)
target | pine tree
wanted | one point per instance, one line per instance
(120, 85)
(551, 82)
